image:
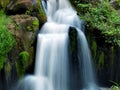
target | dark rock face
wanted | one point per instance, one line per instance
(106, 59)
(19, 6)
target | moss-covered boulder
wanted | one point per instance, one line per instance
(20, 56)
(28, 7)
(39, 13)
(23, 28)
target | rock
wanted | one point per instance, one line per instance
(23, 28)
(19, 6)
(28, 7)
(106, 58)
(21, 58)
(39, 13)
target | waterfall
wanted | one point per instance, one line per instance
(84, 57)
(52, 71)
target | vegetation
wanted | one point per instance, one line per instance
(101, 16)
(6, 40)
(118, 1)
(8, 68)
(37, 11)
(4, 3)
(115, 85)
(34, 25)
(22, 63)
(40, 13)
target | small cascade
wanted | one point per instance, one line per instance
(85, 61)
(52, 71)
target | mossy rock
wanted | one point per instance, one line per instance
(23, 28)
(21, 64)
(39, 13)
(29, 8)
(18, 6)
(4, 3)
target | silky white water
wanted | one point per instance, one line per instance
(52, 54)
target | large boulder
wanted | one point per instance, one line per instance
(19, 6)
(23, 28)
(28, 7)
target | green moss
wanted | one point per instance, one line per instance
(94, 48)
(4, 3)
(2, 60)
(8, 68)
(40, 13)
(22, 63)
(115, 85)
(6, 40)
(101, 60)
(102, 16)
(112, 55)
(34, 26)
(118, 1)
(29, 28)
(35, 22)
(17, 26)
(24, 56)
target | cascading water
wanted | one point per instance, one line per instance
(52, 56)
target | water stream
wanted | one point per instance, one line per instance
(52, 57)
